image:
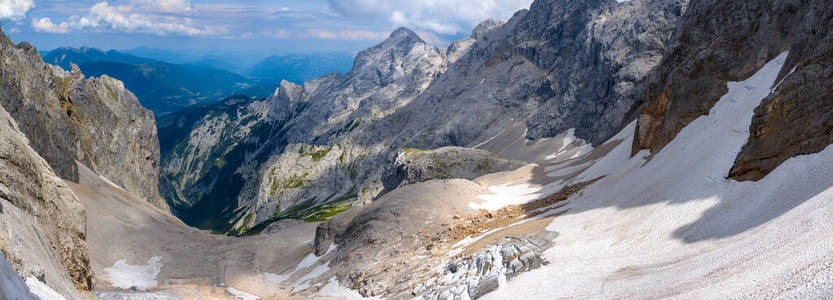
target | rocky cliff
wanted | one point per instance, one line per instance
(300, 125)
(557, 66)
(68, 117)
(43, 222)
(727, 41)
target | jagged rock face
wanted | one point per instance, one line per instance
(67, 118)
(715, 43)
(43, 222)
(479, 32)
(798, 117)
(721, 41)
(560, 65)
(323, 113)
(384, 77)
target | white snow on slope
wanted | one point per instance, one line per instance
(569, 139)
(508, 194)
(304, 282)
(663, 229)
(42, 290)
(307, 262)
(238, 294)
(142, 277)
(334, 289)
(11, 285)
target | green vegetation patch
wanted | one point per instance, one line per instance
(219, 163)
(326, 211)
(413, 151)
(294, 181)
(317, 155)
(245, 227)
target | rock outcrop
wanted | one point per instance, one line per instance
(67, 118)
(728, 41)
(417, 165)
(43, 222)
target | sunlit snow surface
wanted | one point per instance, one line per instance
(11, 285)
(673, 226)
(308, 261)
(109, 295)
(142, 277)
(241, 295)
(42, 290)
(570, 138)
(334, 289)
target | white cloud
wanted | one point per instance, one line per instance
(446, 17)
(346, 34)
(170, 6)
(46, 25)
(133, 17)
(15, 9)
(325, 34)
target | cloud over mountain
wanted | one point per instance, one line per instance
(441, 17)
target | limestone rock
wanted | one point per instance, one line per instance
(43, 222)
(68, 117)
(417, 165)
(728, 41)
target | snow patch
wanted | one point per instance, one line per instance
(307, 262)
(568, 170)
(135, 295)
(334, 289)
(570, 139)
(485, 142)
(673, 224)
(42, 290)
(507, 194)
(142, 277)
(238, 294)
(11, 285)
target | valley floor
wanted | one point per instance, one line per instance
(134, 245)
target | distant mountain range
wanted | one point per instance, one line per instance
(299, 68)
(165, 86)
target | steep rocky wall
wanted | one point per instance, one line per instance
(43, 222)
(67, 117)
(720, 41)
(556, 66)
(798, 117)
(559, 65)
(323, 113)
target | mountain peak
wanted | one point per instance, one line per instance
(485, 27)
(403, 33)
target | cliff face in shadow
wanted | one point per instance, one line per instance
(720, 41)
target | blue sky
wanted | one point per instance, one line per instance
(278, 26)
